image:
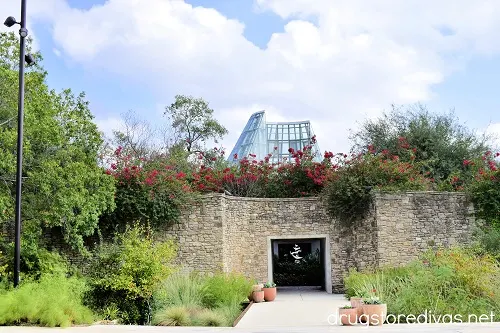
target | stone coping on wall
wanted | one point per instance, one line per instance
(378, 193)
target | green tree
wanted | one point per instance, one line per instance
(193, 122)
(440, 140)
(63, 186)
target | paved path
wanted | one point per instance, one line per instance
(294, 308)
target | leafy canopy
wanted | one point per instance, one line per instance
(192, 120)
(440, 139)
(63, 186)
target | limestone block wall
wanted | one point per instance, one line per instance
(410, 223)
(199, 235)
(231, 233)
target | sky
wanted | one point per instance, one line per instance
(333, 62)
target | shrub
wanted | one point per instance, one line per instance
(36, 262)
(209, 300)
(230, 312)
(172, 316)
(488, 242)
(452, 282)
(52, 301)
(127, 272)
(483, 179)
(210, 318)
(225, 289)
(146, 190)
(180, 290)
(348, 192)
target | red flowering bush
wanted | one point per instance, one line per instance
(252, 178)
(482, 177)
(146, 190)
(348, 191)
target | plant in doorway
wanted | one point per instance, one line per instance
(348, 315)
(269, 291)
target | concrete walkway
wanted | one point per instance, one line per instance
(294, 308)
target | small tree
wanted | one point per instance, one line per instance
(440, 140)
(192, 120)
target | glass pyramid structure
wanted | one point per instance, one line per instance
(261, 138)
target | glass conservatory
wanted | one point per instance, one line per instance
(262, 138)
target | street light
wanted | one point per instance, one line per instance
(23, 32)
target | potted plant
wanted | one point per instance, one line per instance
(258, 295)
(269, 291)
(374, 310)
(256, 287)
(348, 315)
(357, 302)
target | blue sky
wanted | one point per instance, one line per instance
(328, 62)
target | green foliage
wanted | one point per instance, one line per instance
(208, 300)
(181, 290)
(445, 282)
(487, 241)
(126, 273)
(192, 120)
(147, 190)
(63, 186)
(172, 316)
(210, 318)
(225, 289)
(37, 262)
(269, 284)
(54, 300)
(483, 187)
(348, 194)
(441, 141)
(3, 266)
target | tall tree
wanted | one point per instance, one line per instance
(63, 186)
(193, 122)
(440, 139)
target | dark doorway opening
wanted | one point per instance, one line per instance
(299, 262)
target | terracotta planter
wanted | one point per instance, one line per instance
(375, 313)
(258, 296)
(269, 294)
(255, 287)
(357, 302)
(348, 317)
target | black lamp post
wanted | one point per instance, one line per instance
(23, 32)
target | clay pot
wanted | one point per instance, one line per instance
(357, 302)
(348, 317)
(255, 287)
(258, 296)
(269, 294)
(375, 313)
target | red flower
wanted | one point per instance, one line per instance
(291, 150)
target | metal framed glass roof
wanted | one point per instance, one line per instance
(261, 138)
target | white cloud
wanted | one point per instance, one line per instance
(336, 61)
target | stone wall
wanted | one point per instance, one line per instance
(232, 233)
(409, 224)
